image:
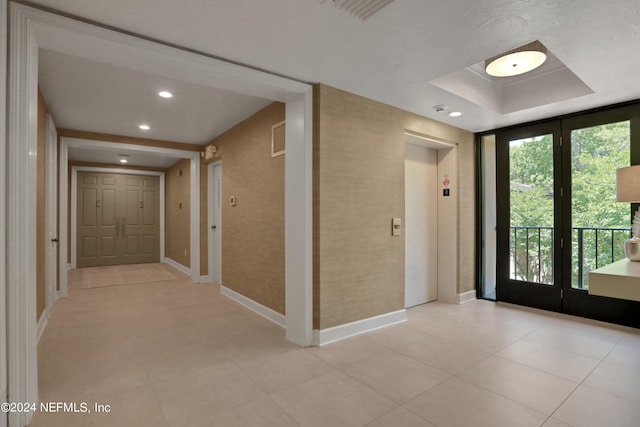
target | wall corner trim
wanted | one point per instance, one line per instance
(466, 297)
(176, 264)
(348, 330)
(254, 306)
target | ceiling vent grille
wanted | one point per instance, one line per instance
(361, 9)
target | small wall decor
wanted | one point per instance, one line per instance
(277, 139)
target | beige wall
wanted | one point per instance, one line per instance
(41, 217)
(358, 188)
(253, 230)
(177, 212)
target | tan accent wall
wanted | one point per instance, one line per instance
(253, 230)
(358, 188)
(177, 212)
(41, 211)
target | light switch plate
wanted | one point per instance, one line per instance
(396, 226)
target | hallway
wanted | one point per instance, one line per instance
(173, 353)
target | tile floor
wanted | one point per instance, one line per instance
(173, 353)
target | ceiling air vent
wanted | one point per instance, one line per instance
(361, 9)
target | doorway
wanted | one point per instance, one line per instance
(214, 197)
(32, 29)
(431, 212)
(118, 219)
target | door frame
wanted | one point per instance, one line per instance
(31, 28)
(74, 204)
(546, 297)
(214, 244)
(3, 194)
(579, 302)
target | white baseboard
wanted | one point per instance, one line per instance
(179, 266)
(204, 279)
(266, 312)
(466, 297)
(69, 266)
(42, 324)
(337, 333)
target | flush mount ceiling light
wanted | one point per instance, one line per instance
(455, 114)
(124, 158)
(165, 94)
(517, 61)
(144, 127)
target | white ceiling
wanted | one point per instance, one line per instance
(94, 96)
(391, 57)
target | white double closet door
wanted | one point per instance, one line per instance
(118, 219)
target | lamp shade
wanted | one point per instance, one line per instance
(628, 184)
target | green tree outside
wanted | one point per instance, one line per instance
(596, 154)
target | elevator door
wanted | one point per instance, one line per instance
(421, 225)
(118, 219)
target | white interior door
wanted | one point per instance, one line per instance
(215, 222)
(421, 225)
(51, 260)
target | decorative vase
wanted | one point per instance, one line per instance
(632, 249)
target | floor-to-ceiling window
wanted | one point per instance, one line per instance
(553, 189)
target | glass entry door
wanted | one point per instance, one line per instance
(529, 217)
(596, 225)
(557, 214)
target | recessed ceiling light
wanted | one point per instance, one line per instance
(455, 114)
(165, 94)
(144, 127)
(517, 61)
(123, 160)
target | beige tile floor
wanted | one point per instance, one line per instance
(174, 353)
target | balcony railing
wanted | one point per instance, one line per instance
(592, 247)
